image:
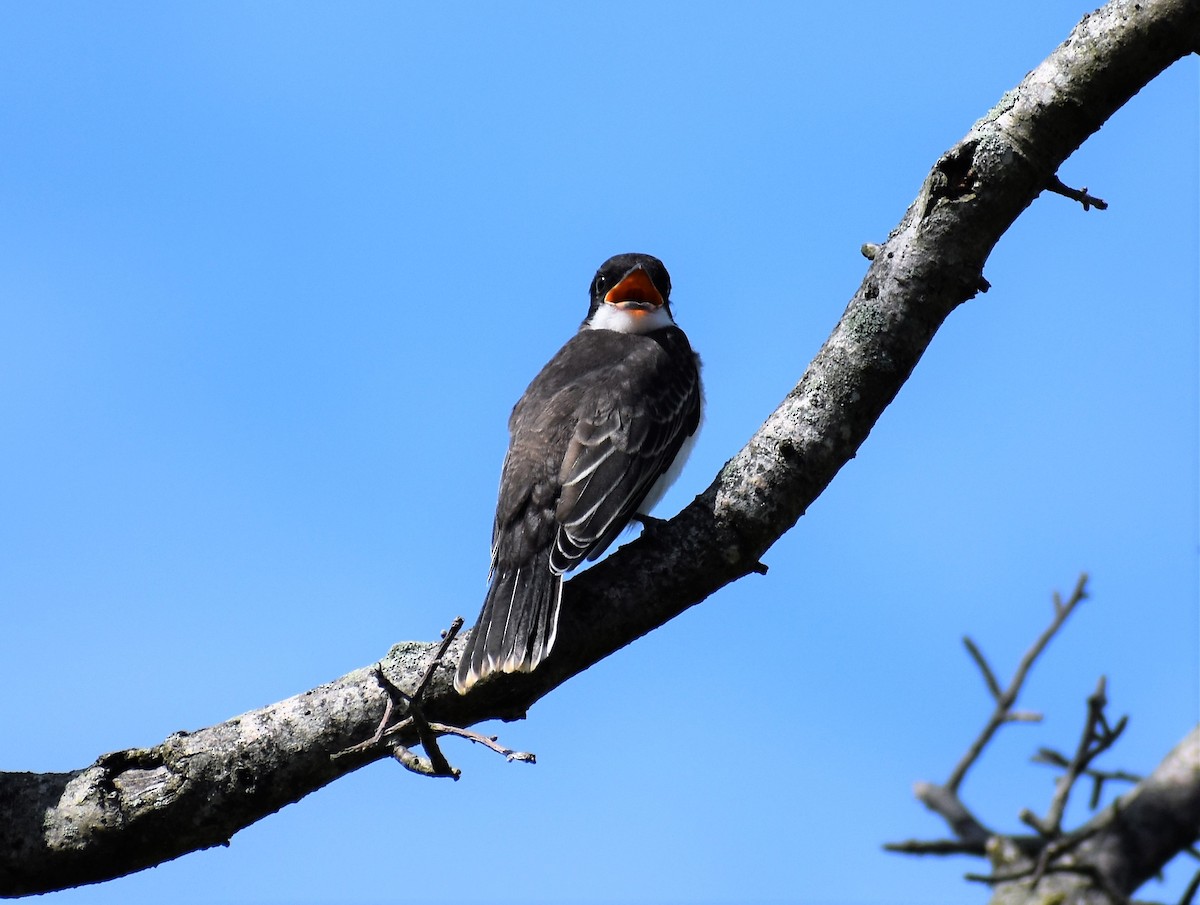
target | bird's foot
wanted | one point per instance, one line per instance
(651, 526)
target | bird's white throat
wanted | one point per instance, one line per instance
(610, 317)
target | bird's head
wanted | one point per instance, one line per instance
(631, 293)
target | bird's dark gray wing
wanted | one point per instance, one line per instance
(626, 437)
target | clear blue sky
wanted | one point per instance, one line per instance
(272, 275)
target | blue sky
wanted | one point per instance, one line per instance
(272, 276)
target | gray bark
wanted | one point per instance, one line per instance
(133, 809)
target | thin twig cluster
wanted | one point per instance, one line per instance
(434, 763)
(1048, 851)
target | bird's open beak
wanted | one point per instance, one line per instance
(635, 292)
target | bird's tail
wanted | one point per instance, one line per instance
(517, 625)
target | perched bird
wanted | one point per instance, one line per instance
(594, 441)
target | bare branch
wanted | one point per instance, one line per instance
(414, 720)
(1053, 758)
(989, 677)
(934, 847)
(1081, 195)
(1097, 738)
(1008, 697)
(448, 637)
(1023, 716)
(944, 799)
(488, 741)
(1113, 853)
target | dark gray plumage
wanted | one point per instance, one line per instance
(591, 437)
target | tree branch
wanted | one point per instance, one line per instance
(194, 790)
(1097, 738)
(1120, 848)
(1102, 861)
(1057, 186)
(944, 799)
(1008, 697)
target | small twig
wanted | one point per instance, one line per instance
(422, 766)
(437, 760)
(386, 726)
(1050, 850)
(1022, 716)
(447, 638)
(988, 676)
(1008, 697)
(1052, 758)
(1057, 186)
(935, 847)
(436, 764)
(1031, 819)
(944, 799)
(488, 741)
(1097, 737)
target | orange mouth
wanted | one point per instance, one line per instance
(635, 293)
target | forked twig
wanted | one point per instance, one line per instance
(943, 799)
(1049, 852)
(396, 696)
(435, 762)
(1006, 698)
(1098, 736)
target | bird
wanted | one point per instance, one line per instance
(594, 441)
